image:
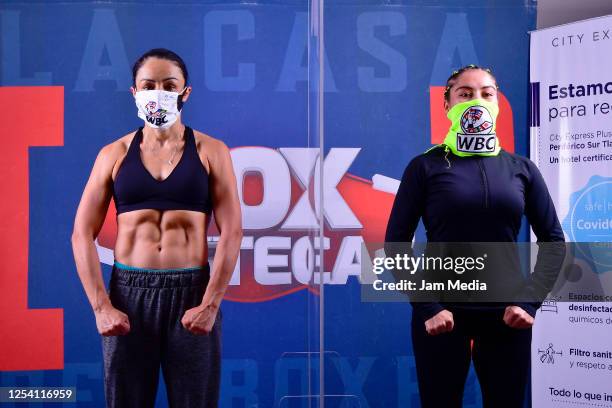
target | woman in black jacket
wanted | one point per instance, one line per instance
(469, 189)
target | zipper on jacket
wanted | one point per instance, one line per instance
(485, 184)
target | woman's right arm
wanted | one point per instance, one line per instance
(408, 207)
(87, 224)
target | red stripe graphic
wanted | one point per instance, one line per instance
(30, 339)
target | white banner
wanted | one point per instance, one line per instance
(571, 142)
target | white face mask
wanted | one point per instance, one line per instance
(159, 109)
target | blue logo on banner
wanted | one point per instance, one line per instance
(590, 219)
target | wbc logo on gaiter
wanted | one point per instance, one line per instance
(477, 127)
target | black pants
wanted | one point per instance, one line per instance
(501, 356)
(155, 302)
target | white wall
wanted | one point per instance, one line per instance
(555, 12)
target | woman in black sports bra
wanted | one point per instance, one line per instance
(162, 307)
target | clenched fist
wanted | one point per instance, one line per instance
(440, 323)
(517, 318)
(112, 322)
(200, 319)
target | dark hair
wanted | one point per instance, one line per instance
(453, 78)
(161, 53)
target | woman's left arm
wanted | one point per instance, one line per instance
(226, 210)
(227, 215)
(542, 216)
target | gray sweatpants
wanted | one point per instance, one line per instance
(155, 301)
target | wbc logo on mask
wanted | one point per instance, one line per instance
(477, 126)
(155, 116)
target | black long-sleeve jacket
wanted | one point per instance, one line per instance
(474, 199)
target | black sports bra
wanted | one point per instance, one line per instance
(186, 188)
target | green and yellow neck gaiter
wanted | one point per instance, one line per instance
(472, 131)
